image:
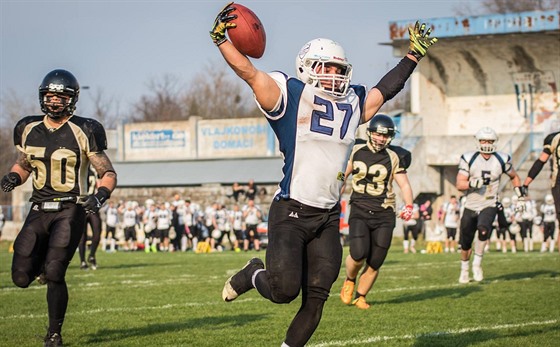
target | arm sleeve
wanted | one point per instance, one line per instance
(535, 169)
(393, 82)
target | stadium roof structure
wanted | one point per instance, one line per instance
(198, 172)
(493, 24)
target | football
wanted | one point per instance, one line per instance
(248, 36)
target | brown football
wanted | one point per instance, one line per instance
(248, 36)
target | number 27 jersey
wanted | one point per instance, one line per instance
(59, 157)
(315, 132)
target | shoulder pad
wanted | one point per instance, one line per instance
(405, 156)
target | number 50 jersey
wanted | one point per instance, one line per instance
(59, 157)
(373, 174)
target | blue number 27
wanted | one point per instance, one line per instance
(328, 115)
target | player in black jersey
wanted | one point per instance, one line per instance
(374, 165)
(56, 149)
(551, 150)
(94, 221)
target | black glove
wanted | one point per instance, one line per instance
(221, 23)
(94, 202)
(10, 181)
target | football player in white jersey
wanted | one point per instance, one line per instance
(450, 217)
(551, 150)
(111, 221)
(314, 117)
(548, 211)
(479, 176)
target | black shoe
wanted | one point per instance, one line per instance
(92, 262)
(53, 340)
(42, 278)
(241, 281)
(83, 265)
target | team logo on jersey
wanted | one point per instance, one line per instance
(293, 215)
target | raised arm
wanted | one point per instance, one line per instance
(265, 89)
(393, 82)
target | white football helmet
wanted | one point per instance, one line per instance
(324, 51)
(506, 202)
(486, 133)
(548, 199)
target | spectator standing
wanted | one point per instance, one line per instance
(450, 217)
(236, 218)
(111, 222)
(411, 230)
(548, 210)
(130, 221)
(252, 215)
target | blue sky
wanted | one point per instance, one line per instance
(120, 46)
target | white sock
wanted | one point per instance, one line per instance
(477, 260)
(464, 265)
(253, 278)
(405, 244)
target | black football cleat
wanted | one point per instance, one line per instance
(53, 340)
(241, 282)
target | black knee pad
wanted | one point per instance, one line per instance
(483, 234)
(279, 297)
(358, 251)
(21, 279)
(54, 271)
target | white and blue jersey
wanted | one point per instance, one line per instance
(316, 132)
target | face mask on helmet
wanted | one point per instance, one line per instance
(381, 131)
(58, 94)
(486, 139)
(312, 64)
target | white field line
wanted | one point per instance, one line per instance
(142, 284)
(374, 339)
(104, 310)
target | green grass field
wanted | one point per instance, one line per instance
(174, 299)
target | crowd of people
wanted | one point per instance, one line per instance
(181, 225)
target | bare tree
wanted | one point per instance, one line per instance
(105, 109)
(504, 6)
(14, 107)
(215, 93)
(163, 104)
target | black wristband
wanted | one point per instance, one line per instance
(415, 55)
(103, 193)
